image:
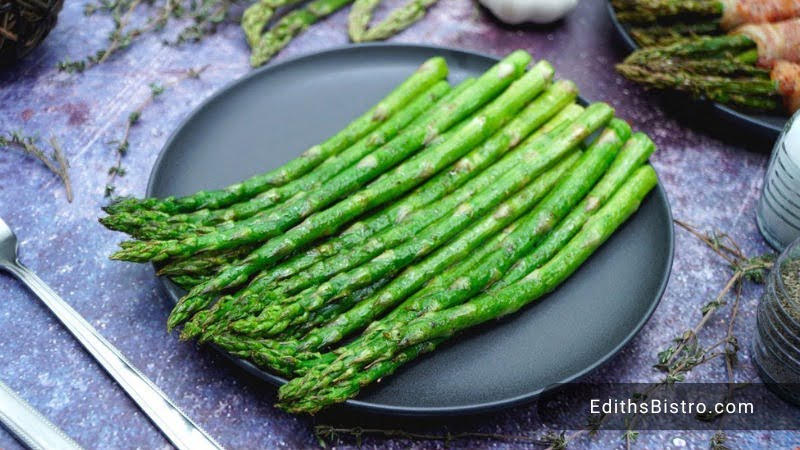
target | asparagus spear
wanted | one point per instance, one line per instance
(187, 282)
(276, 317)
(527, 234)
(179, 226)
(251, 301)
(388, 187)
(290, 26)
(397, 21)
(645, 11)
(713, 67)
(256, 16)
(204, 264)
(316, 390)
(755, 93)
(428, 74)
(660, 35)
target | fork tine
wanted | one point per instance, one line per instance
(8, 245)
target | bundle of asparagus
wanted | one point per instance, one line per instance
(756, 67)
(437, 210)
(662, 22)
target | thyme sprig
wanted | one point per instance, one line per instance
(686, 352)
(328, 435)
(123, 144)
(55, 160)
(201, 18)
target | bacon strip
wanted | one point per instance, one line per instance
(776, 41)
(741, 12)
(787, 76)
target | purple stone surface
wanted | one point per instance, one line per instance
(711, 170)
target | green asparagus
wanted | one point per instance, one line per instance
(317, 389)
(646, 11)
(276, 317)
(395, 22)
(542, 153)
(178, 226)
(429, 73)
(282, 217)
(251, 301)
(530, 118)
(528, 233)
(388, 187)
(289, 27)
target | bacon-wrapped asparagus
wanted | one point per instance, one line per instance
(757, 67)
(730, 13)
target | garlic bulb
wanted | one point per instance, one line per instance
(537, 11)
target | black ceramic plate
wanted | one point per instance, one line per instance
(769, 125)
(270, 116)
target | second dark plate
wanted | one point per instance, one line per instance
(769, 125)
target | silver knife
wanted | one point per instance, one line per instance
(176, 426)
(29, 425)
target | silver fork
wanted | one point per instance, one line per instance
(176, 426)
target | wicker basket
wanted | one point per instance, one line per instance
(23, 25)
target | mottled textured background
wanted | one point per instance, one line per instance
(712, 172)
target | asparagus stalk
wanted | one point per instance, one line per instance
(290, 26)
(316, 390)
(187, 282)
(403, 178)
(179, 226)
(256, 16)
(754, 93)
(713, 67)
(276, 317)
(207, 263)
(253, 300)
(397, 21)
(660, 35)
(713, 47)
(428, 74)
(646, 11)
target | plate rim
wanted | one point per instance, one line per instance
(389, 410)
(728, 112)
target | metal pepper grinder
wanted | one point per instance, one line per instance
(778, 213)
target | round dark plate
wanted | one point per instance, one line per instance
(270, 116)
(769, 125)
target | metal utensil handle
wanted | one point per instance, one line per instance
(176, 426)
(29, 425)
